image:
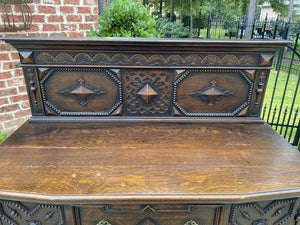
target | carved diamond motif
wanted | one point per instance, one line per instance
(82, 92)
(148, 208)
(266, 59)
(211, 94)
(26, 57)
(147, 93)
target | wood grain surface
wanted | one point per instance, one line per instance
(138, 161)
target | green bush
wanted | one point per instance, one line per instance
(171, 29)
(125, 18)
(2, 137)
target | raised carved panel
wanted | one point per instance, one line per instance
(121, 59)
(147, 92)
(17, 213)
(279, 212)
(213, 92)
(81, 92)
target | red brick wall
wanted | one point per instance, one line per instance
(51, 18)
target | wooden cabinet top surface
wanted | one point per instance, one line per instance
(85, 162)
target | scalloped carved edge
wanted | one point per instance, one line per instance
(155, 59)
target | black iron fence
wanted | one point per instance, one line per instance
(219, 28)
(282, 99)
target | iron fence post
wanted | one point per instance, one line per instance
(253, 27)
(264, 26)
(243, 26)
(276, 27)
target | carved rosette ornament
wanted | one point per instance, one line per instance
(211, 94)
(82, 91)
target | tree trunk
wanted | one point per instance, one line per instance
(160, 7)
(181, 10)
(208, 36)
(250, 18)
(200, 14)
(291, 9)
(199, 21)
(100, 7)
(191, 19)
(172, 10)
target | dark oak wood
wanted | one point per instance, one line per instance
(147, 132)
(151, 160)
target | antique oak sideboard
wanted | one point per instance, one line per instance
(147, 132)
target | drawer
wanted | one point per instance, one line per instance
(150, 214)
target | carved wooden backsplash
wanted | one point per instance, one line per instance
(146, 78)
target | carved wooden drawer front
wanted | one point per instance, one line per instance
(25, 213)
(278, 212)
(151, 215)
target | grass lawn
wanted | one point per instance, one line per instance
(214, 33)
(287, 115)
